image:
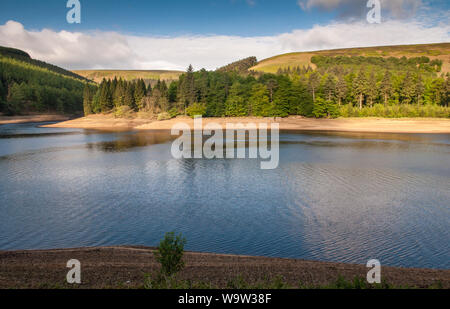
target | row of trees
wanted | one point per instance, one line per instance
(136, 95)
(391, 63)
(298, 91)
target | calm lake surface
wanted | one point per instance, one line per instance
(342, 197)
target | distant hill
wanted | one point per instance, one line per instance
(129, 75)
(439, 51)
(25, 57)
(32, 86)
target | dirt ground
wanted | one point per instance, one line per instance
(31, 118)
(126, 267)
(381, 125)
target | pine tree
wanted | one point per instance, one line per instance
(173, 89)
(330, 87)
(190, 85)
(408, 89)
(360, 87)
(447, 91)
(314, 82)
(372, 89)
(386, 87)
(420, 88)
(87, 98)
(341, 89)
(259, 101)
(106, 102)
(119, 94)
(139, 93)
(2, 90)
(236, 105)
(283, 97)
(271, 86)
(129, 96)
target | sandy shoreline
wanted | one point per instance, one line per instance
(126, 267)
(32, 118)
(294, 123)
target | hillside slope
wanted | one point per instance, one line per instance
(22, 56)
(129, 75)
(439, 51)
(32, 86)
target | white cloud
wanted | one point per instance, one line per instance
(111, 50)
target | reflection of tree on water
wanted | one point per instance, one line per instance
(128, 141)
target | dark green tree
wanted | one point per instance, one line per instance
(87, 100)
(236, 105)
(170, 254)
(386, 87)
(272, 85)
(172, 95)
(139, 93)
(360, 87)
(420, 89)
(129, 99)
(259, 101)
(341, 89)
(314, 82)
(330, 87)
(372, 89)
(408, 89)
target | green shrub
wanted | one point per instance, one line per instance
(170, 254)
(123, 112)
(173, 112)
(164, 116)
(196, 109)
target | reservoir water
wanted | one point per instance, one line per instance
(341, 197)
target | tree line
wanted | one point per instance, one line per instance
(326, 91)
(25, 88)
(31, 86)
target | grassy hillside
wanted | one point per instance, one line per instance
(433, 51)
(129, 75)
(32, 86)
(22, 56)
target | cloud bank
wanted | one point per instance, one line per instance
(112, 50)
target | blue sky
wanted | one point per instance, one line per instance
(133, 34)
(175, 17)
(178, 17)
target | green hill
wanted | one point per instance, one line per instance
(439, 51)
(32, 86)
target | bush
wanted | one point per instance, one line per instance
(170, 254)
(164, 116)
(196, 109)
(173, 112)
(123, 112)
